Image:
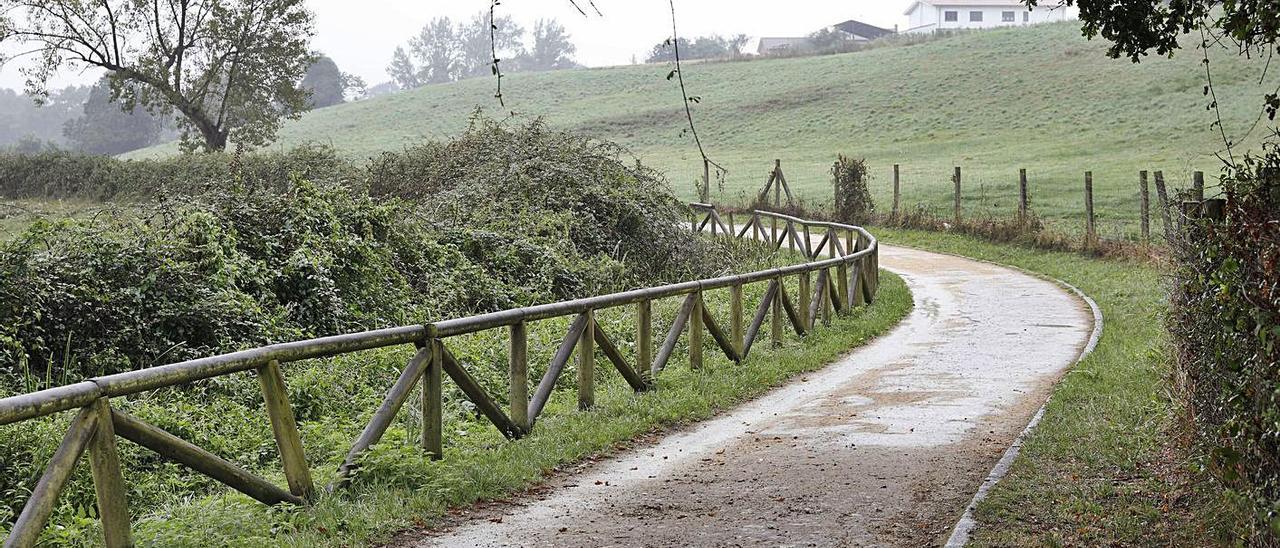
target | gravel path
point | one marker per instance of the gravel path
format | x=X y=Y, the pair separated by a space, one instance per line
x=883 y=447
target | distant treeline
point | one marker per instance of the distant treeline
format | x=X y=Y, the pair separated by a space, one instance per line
x=444 y=52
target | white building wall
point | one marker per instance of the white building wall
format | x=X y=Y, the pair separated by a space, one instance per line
x=929 y=18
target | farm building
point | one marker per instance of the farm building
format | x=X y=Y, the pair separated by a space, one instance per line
x=854 y=31
x=932 y=15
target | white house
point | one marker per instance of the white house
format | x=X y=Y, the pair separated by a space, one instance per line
x=933 y=15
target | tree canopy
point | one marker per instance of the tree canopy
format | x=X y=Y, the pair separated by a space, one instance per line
x=106 y=128
x=231 y=68
x=445 y=52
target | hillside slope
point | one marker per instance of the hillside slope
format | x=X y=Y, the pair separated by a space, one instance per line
x=1042 y=98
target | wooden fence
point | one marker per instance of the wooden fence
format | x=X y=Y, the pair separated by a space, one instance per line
x=846 y=278
x=1164 y=203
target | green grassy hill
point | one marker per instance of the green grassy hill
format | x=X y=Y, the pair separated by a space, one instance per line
x=1042 y=98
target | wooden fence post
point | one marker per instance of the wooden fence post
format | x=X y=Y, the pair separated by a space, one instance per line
x=897 y=191
x=804 y=300
x=706 y=181
x=108 y=483
x=518 y=359
x=1091 y=233
x=956 y=178
x=644 y=339
x=777 y=188
x=775 y=322
x=285 y=428
x=432 y=403
x=1197 y=186
x=695 y=332
x=1162 y=201
x=1023 y=200
x=824 y=295
x=735 y=316
x=587 y=363
x=1144 y=195
x=733 y=231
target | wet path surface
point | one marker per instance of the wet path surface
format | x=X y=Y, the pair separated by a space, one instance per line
x=883 y=447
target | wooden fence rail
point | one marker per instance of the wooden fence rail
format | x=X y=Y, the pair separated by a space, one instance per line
x=847 y=278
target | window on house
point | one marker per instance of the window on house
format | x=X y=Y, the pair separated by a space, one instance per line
x=1026 y=16
x=975 y=17
x=1006 y=16
x=951 y=16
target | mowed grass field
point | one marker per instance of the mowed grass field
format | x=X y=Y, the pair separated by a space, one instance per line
x=1041 y=98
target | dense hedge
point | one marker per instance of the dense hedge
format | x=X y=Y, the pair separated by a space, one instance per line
x=1226 y=322
x=63 y=174
x=237 y=251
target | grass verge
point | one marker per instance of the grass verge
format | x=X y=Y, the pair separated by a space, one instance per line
x=1101 y=468
x=398 y=489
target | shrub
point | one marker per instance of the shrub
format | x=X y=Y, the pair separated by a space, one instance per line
x=259 y=253
x=1226 y=323
x=853 y=197
x=63 y=174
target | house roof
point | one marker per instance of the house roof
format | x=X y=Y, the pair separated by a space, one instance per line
x=858 y=28
x=974 y=3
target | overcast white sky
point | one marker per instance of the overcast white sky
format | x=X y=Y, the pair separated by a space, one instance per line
x=360 y=35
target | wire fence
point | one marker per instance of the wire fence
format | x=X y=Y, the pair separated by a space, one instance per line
x=1105 y=204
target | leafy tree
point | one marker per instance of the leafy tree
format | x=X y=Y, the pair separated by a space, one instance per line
x=402 y=71
x=106 y=128
x=702 y=47
x=551 y=48
x=324 y=82
x=37 y=117
x=477 y=47
x=230 y=67
x=830 y=40
x=436 y=52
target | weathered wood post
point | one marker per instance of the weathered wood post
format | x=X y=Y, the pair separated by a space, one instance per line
x=1091 y=231
x=842 y=272
x=777 y=188
x=775 y=322
x=824 y=293
x=587 y=363
x=1162 y=200
x=1023 y=202
x=808 y=243
x=285 y=428
x=735 y=316
x=695 y=332
x=518 y=360
x=433 y=402
x=956 y=179
x=1144 y=196
x=1197 y=186
x=733 y=230
x=644 y=339
x=804 y=291
x=108 y=483
x=773 y=230
x=897 y=191
x=706 y=181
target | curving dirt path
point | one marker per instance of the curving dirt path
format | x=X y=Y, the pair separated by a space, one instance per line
x=884 y=447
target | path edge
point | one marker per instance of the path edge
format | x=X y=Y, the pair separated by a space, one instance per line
x=966 y=524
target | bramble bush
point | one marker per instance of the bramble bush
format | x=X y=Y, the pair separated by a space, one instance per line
x=853 y=197
x=1226 y=324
